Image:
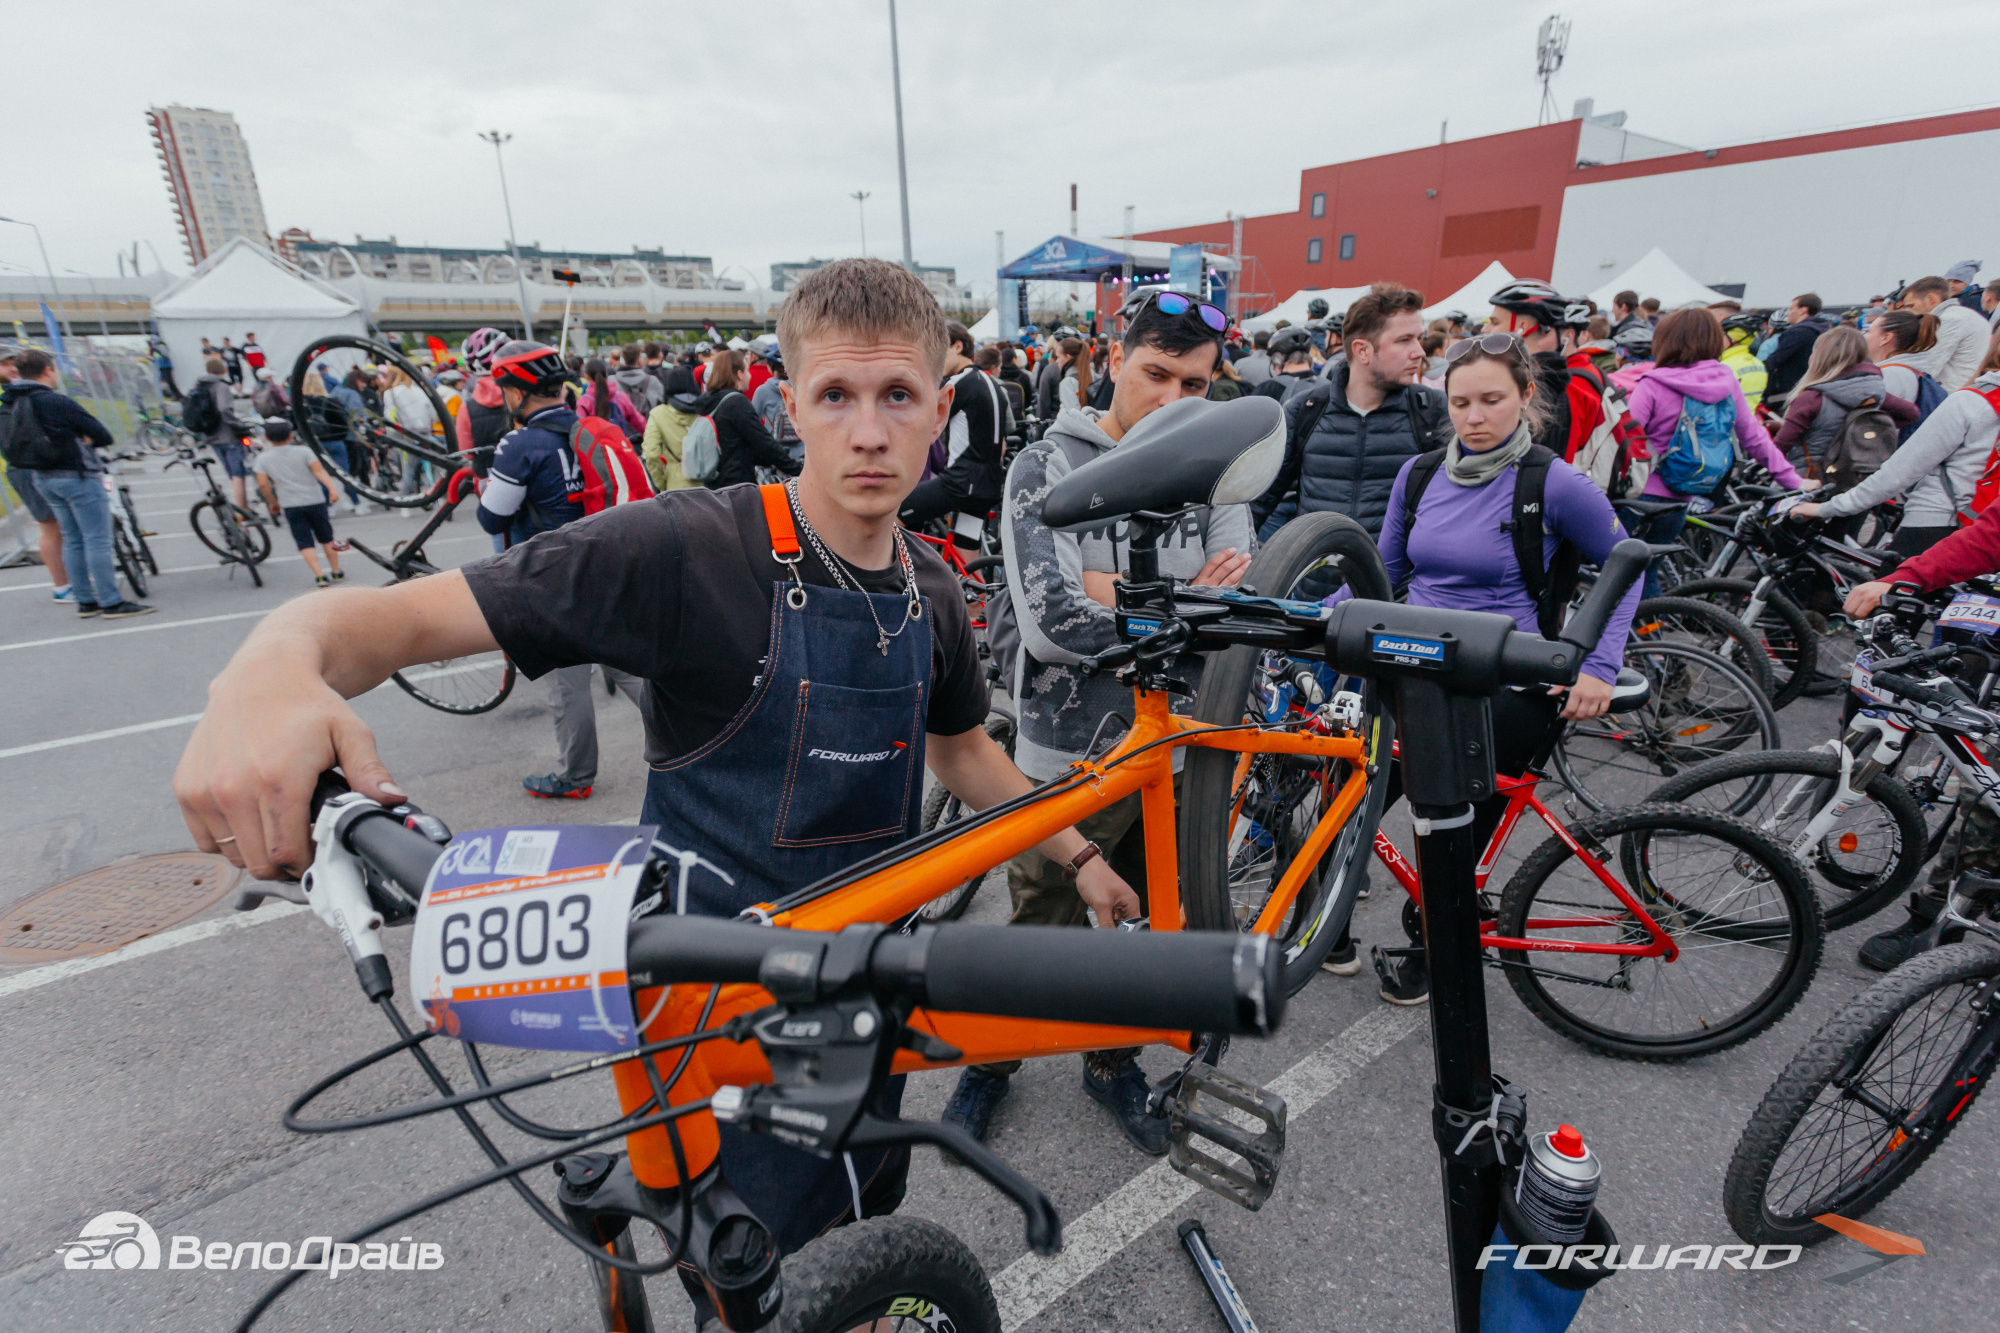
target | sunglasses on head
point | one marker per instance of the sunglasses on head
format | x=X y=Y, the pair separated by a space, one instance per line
x=1178 y=303
x=1493 y=344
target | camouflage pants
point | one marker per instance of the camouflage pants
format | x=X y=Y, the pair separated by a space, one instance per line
x=1043 y=896
x=1979 y=849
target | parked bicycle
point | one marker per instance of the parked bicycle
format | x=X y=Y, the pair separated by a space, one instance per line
x=235 y=534
x=129 y=547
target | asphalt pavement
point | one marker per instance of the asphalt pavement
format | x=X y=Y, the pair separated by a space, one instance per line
x=155 y=1084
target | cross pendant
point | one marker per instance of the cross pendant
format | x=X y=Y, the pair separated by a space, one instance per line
x=881 y=643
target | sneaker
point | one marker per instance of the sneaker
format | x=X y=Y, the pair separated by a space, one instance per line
x=974 y=1100
x=1892 y=948
x=86 y=610
x=1344 y=961
x=1125 y=1092
x=1405 y=974
x=336 y=576
x=124 y=610
x=321 y=581
x=553 y=786
x=63 y=594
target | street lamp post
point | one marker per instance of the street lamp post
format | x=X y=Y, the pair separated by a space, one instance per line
x=902 y=170
x=55 y=288
x=860 y=197
x=496 y=138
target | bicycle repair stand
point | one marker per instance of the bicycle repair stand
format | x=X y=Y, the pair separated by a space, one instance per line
x=1443 y=667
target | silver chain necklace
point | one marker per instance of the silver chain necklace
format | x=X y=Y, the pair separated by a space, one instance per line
x=840 y=570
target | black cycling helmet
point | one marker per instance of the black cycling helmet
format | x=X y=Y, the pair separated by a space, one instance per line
x=1289 y=344
x=536 y=369
x=1534 y=299
x=1636 y=342
x=1336 y=322
x=1749 y=321
x=1317 y=308
x=1577 y=315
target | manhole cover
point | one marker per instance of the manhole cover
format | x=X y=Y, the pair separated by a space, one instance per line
x=112 y=906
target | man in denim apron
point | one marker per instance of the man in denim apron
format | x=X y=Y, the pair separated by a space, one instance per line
x=805 y=665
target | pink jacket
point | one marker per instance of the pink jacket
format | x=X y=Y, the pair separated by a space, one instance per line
x=630 y=418
x=1655 y=403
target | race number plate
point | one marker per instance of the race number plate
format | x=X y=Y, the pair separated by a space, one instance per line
x=1970 y=611
x=1861 y=680
x=520 y=939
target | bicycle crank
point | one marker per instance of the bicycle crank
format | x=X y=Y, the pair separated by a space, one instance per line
x=1259 y=1148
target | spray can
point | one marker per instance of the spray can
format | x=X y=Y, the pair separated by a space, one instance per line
x=1558 y=1185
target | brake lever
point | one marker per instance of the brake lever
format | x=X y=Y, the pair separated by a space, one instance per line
x=1108 y=660
x=1044 y=1223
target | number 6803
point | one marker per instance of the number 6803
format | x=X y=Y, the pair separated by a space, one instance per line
x=520 y=934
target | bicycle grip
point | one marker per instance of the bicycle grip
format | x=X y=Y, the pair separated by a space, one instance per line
x=1938 y=693
x=401 y=855
x=1621 y=569
x=678 y=950
x=1197 y=980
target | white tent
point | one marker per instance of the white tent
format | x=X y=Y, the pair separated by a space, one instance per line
x=1293 y=307
x=242 y=289
x=987 y=330
x=1471 y=299
x=1658 y=276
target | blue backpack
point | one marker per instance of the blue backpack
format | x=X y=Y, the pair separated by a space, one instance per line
x=1703 y=448
x=1929 y=395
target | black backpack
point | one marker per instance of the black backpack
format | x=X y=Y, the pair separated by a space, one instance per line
x=1552 y=585
x=25 y=442
x=1865 y=440
x=199 y=414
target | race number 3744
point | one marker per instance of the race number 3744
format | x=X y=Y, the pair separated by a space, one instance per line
x=520 y=940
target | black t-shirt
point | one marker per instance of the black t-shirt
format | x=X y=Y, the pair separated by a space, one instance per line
x=677 y=589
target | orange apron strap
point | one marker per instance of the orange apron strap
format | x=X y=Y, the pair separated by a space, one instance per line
x=778 y=517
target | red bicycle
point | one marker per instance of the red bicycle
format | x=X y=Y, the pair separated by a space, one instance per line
x=1705 y=933
x=979 y=576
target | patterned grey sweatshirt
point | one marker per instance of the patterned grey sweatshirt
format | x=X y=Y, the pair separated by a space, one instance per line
x=1058 y=709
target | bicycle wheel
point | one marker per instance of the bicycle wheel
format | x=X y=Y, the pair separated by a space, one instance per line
x=893 y=1274
x=941 y=807
x=1867 y=1099
x=1241 y=830
x=464 y=686
x=1709 y=628
x=127 y=556
x=1700 y=707
x=379 y=452
x=1789 y=636
x=1860 y=865
x=1736 y=905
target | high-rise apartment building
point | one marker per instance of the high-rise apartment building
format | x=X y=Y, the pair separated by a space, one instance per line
x=207 y=166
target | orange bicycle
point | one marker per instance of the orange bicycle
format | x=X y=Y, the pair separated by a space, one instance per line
x=795 y=1032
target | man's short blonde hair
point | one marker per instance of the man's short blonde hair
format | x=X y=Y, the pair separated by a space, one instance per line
x=871 y=299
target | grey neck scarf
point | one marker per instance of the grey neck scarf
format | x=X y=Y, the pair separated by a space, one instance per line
x=1470 y=469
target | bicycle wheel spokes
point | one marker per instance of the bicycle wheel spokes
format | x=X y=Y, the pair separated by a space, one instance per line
x=467 y=685
x=351 y=430
x=1862 y=1122
x=1744 y=930
x=1700 y=707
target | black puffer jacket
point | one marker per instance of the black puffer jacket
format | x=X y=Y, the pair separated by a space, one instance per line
x=740 y=439
x=1350 y=463
x=1552 y=389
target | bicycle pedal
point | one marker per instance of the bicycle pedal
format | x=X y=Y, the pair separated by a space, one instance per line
x=1260 y=1150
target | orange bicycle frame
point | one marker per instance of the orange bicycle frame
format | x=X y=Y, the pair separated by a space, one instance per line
x=1141 y=762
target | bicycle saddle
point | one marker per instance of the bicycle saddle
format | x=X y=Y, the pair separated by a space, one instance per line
x=1651 y=507
x=1190 y=452
x=1630 y=691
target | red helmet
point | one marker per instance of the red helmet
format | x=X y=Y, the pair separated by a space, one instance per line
x=536 y=369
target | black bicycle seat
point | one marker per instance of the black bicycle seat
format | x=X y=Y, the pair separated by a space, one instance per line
x=1190 y=452
x=1651 y=507
x=1630 y=691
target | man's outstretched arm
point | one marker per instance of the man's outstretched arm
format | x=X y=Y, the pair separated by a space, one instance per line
x=278 y=715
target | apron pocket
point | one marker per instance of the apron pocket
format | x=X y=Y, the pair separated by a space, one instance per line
x=854 y=759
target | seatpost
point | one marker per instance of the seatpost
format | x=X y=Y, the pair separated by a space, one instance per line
x=1447 y=764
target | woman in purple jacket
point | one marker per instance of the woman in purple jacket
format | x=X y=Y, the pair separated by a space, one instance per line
x=1686 y=348
x=1459 y=553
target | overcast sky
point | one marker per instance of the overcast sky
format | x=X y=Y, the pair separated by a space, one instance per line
x=739 y=130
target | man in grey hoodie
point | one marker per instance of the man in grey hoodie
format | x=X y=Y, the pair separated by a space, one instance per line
x=639 y=384
x=1061 y=586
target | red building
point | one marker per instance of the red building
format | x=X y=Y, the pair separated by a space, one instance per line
x=1579 y=200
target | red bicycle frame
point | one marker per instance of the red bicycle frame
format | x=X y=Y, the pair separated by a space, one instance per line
x=1521 y=798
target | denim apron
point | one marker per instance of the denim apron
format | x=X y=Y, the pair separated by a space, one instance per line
x=821 y=767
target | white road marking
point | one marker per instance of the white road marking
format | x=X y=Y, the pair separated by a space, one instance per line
x=170 y=569
x=1031 y=1283
x=135 y=629
x=132 y=730
x=171 y=939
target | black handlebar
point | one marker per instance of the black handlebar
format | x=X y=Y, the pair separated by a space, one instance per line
x=1200 y=981
x=1621 y=569
x=1937 y=693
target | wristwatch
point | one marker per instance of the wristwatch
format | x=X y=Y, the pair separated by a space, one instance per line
x=1083 y=858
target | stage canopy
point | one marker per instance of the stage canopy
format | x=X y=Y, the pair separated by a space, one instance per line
x=1293 y=307
x=1088 y=258
x=243 y=289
